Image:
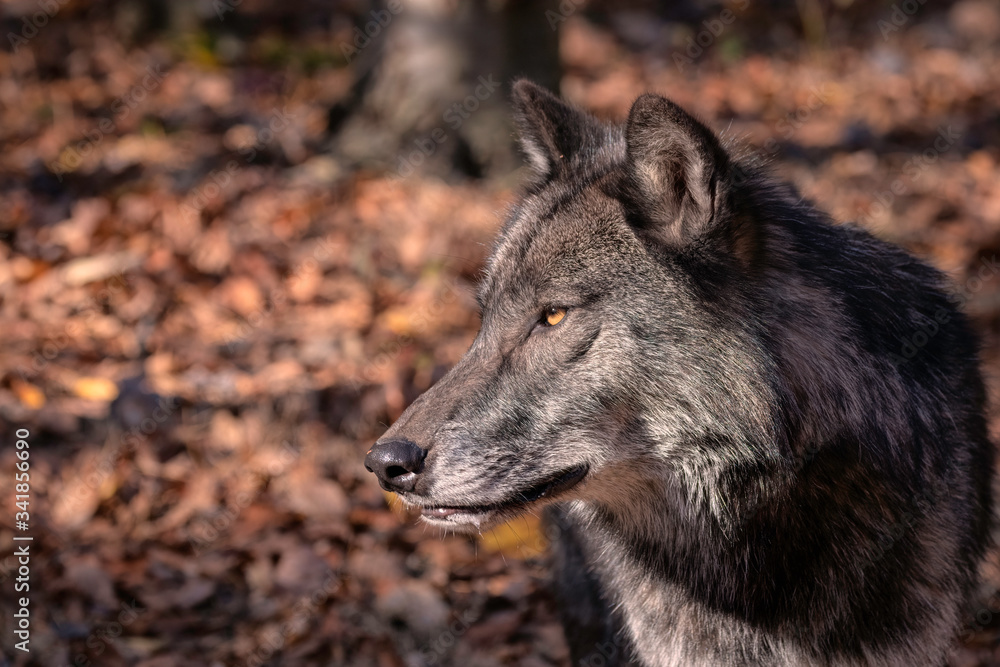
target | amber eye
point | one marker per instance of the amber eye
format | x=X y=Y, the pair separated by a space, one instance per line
x=554 y=316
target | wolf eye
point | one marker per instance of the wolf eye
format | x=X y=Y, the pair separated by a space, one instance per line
x=554 y=316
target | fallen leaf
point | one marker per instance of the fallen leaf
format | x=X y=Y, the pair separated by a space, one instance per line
x=86 y=575
x=96 y=389
x=30 y=395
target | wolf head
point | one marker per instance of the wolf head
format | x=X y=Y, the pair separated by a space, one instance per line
x=617 y=335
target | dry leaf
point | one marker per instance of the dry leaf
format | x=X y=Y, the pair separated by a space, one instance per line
x=30 y=395
x=96 y=389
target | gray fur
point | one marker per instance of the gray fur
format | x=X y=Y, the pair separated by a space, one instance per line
x=749 y=472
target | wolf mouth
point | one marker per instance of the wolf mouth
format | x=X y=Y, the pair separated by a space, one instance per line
x=477 y=513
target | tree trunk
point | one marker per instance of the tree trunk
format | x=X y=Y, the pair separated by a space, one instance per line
x=435 y=83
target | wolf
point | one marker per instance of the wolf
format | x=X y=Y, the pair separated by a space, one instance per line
x=703 y=380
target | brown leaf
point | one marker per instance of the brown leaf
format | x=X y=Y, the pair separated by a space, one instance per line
x=30 y=395
x=299 y=569
x=96 y=389
x=304 y=492
x=87 y=576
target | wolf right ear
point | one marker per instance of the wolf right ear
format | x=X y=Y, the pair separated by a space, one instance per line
x=552 y=132
x=676 y=170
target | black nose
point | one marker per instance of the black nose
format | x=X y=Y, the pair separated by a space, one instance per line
x=396 y=463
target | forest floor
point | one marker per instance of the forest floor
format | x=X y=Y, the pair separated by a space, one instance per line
x=206 y=320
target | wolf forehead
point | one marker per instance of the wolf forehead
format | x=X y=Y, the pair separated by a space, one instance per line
x=570 y=231
x=553 y=247
x=605 y=198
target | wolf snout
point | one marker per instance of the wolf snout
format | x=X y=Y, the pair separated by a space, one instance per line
x=396 y=463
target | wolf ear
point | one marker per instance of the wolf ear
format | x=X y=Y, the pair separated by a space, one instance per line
x=675 y=170
x=552 y=132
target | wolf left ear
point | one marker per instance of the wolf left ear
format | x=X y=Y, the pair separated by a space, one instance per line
x=675 y=170
x=552 y=132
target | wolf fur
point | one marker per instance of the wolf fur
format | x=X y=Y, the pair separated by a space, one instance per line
x=742 y=461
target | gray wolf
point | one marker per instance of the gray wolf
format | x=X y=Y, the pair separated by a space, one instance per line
x=701 y=377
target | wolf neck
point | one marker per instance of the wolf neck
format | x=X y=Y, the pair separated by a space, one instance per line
x=661 y=523
x=657 y=616
x=669 y=565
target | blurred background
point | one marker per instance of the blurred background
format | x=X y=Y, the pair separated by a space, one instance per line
x=238 y=237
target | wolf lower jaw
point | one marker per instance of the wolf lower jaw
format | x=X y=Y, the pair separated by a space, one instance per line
x=472 y=518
